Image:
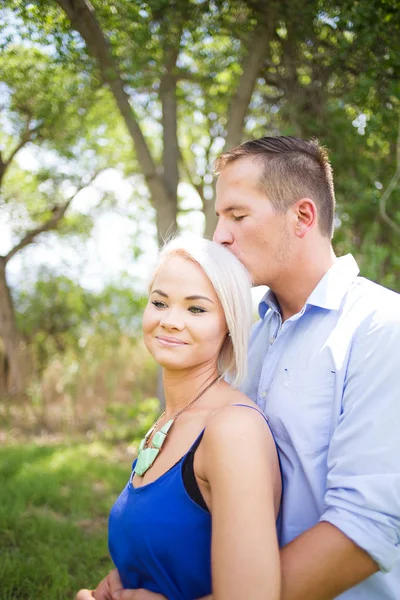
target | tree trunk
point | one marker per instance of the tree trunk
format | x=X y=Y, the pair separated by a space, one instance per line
x=256 y=54
x=211 y=217
x=252 y=63
x=170 y=144
x=83 y=20
x=17 y=364
x=3 y=370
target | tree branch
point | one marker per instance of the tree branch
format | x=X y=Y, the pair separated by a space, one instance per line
x=83 y=19
x=58 y=213
x=251 y=65
x=187 y=211
x=25 y=138
x=197 y=186
x=169 y=121
x=391 y=186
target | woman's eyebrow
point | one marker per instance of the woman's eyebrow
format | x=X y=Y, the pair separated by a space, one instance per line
x=196 y=297
x=193 y=297
x=159 y=292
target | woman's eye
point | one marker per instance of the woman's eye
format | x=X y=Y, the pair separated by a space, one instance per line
x=158 y=304
x=196 y=310
x=238 y=218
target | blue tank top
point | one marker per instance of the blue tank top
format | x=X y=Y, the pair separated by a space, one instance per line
x=160 y=539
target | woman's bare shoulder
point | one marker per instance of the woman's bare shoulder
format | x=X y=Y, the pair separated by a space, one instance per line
x=235 y=439
x=231 y=396
x=238 y=417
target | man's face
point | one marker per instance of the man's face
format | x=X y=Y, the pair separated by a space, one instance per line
x=248 y=224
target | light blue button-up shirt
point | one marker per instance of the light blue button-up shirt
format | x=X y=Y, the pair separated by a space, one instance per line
x=328 y=380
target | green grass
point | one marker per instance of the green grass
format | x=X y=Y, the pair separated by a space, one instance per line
x=54 y=504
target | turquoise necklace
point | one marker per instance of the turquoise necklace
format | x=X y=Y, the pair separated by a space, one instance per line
x=147 y=456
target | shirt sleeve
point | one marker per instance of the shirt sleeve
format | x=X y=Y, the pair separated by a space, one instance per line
x=363 y=482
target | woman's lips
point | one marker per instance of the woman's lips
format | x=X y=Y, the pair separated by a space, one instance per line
x=169 y=341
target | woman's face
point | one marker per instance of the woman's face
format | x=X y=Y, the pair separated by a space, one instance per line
x=184 y=325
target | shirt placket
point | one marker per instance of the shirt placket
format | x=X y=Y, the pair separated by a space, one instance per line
x=277 y=331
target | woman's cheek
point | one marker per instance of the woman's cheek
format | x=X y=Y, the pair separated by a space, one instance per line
x=147 y=342
x=147 y=329
x=147 y=321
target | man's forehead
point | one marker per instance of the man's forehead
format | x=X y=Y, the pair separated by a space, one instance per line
x=243 y=169
x=239 y=177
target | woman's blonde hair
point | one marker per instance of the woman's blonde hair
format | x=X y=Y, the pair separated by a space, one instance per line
x=232 y=284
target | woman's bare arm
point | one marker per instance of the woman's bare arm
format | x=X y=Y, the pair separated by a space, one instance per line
x=240 y=463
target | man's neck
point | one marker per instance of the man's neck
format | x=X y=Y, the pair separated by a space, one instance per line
x=294 y=289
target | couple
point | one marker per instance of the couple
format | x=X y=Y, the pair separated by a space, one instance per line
x=202 y=513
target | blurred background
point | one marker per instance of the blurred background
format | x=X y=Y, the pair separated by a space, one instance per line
x=111 y=115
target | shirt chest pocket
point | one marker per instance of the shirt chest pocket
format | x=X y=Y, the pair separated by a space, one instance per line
x=299 y=407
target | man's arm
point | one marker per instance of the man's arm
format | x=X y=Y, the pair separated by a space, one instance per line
x=359 y=529
x=322 y=563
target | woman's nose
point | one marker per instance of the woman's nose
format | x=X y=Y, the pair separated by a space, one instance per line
x=172 y=319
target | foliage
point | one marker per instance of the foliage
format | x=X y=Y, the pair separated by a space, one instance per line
x=120 y=416
x=98 y=386
x=57 y=315
x=63 y=118
x=333 y=74
x=190 y=82
x=54 y=502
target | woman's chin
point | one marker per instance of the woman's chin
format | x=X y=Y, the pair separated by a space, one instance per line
x=167 y=362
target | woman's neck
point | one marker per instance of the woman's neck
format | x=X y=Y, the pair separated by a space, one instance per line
x=180 y=388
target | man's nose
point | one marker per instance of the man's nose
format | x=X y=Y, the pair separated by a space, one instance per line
x=222 y=235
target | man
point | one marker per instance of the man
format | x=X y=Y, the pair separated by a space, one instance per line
x=323 y=365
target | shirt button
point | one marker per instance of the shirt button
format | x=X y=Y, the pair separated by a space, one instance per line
x=271 y=340
x=263 y=394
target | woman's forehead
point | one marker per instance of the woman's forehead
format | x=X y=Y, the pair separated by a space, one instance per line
x=177 y=268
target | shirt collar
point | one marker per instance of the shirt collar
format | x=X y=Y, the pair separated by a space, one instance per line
x=329 y=292
x=268 y=301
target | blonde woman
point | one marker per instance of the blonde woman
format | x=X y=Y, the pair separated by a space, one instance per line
x=198 y=513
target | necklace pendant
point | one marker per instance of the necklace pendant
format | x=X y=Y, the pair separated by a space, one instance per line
x=147 y=456
x=144 y=441
x=145 y=459
x=160 y=437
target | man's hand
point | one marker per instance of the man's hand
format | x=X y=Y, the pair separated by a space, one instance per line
x=84 y=595
x=108 y=589
x=138 y=594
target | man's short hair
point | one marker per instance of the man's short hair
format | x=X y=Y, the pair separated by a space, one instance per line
x=292 y=169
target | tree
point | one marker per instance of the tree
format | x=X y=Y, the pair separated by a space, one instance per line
x=189 y=78
x=51 y=107
x=148 y=68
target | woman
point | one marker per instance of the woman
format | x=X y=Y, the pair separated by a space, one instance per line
x=198 y=513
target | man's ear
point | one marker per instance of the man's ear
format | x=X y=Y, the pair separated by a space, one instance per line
x=305 y=215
